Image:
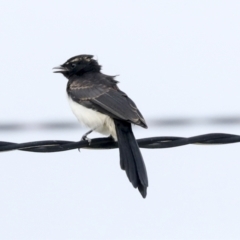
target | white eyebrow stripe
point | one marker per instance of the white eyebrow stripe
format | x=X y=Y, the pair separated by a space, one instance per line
x=75 y=60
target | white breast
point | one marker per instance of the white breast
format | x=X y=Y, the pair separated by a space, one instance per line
x=94 y=120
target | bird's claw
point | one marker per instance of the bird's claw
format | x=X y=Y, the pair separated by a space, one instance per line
x=85 y=138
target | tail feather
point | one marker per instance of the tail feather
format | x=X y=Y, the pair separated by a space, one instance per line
x=126 y=161
x=131 y=159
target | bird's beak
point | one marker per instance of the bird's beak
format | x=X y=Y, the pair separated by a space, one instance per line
x=60 y=69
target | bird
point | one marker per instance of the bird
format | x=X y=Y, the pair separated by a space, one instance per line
x=100 y=105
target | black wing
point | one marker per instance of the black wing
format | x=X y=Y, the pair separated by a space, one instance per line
x=103 y=95
x=118 y=105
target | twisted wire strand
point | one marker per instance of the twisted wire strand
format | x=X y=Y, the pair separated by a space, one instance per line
x=108 y=143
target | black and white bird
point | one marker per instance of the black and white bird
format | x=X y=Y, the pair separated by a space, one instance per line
x=99 y=104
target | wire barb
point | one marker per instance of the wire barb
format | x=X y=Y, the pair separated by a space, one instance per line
x=108 y=143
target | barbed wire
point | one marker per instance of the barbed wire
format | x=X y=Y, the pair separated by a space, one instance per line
x=109 y=143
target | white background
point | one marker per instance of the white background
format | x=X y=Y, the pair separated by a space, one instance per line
x=174 y=59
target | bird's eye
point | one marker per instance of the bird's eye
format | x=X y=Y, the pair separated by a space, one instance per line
x=73 y=65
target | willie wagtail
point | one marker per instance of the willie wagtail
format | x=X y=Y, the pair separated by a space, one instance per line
x=99 y=104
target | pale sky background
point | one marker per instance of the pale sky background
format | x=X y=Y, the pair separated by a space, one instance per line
x=174 y=59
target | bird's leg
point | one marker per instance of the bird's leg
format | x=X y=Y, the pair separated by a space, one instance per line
x=85 y=138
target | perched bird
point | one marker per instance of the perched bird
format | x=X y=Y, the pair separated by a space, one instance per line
x=99 y=104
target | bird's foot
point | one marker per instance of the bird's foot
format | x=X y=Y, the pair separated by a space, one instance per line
x=85 y=138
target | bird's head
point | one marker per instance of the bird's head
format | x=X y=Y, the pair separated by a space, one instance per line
x=78 y=65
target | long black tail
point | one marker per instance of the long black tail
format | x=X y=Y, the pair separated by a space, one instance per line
x=131 y=159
